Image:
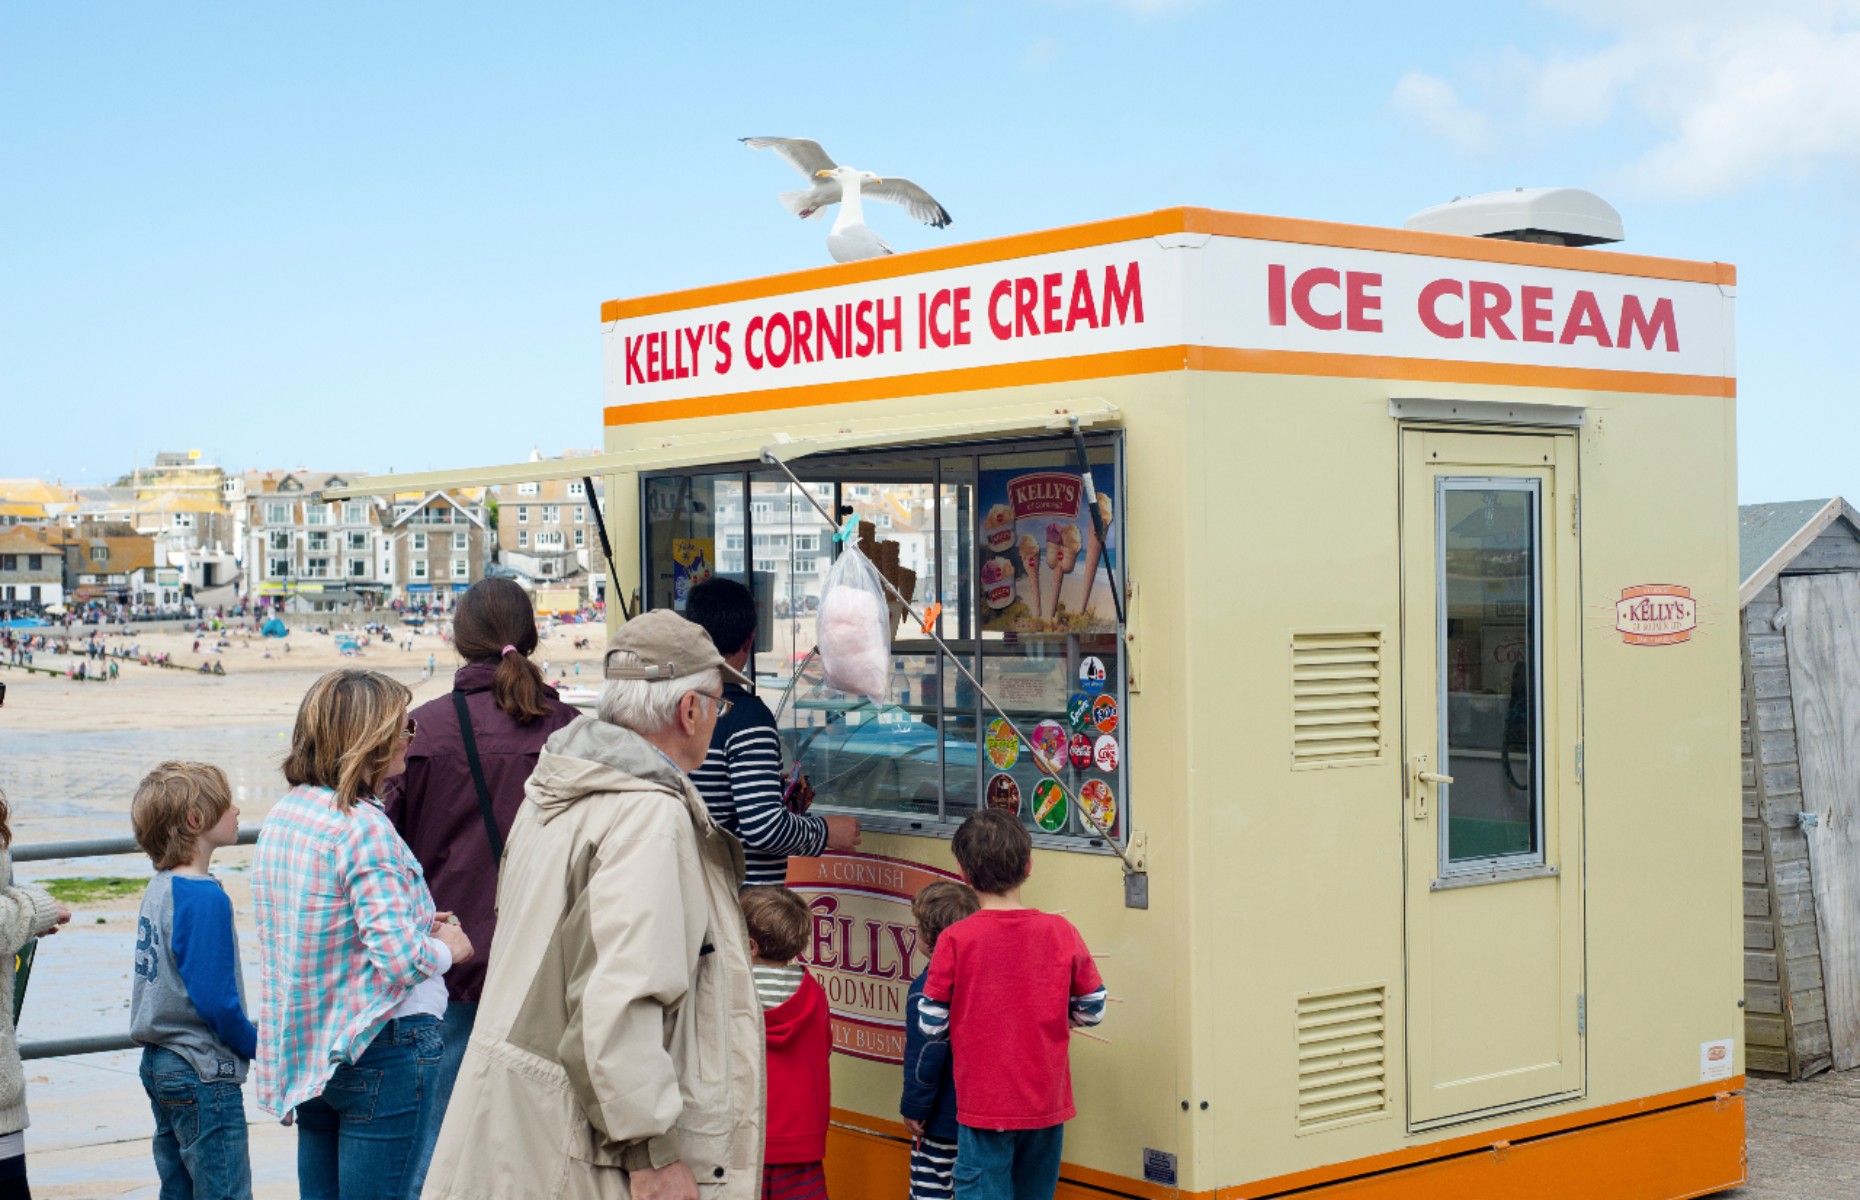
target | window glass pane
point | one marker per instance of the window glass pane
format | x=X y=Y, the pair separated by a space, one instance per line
x=918 y=757
x=688 y=519
x=1490 y=587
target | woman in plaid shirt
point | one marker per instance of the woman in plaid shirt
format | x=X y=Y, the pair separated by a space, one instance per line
x=352 y=954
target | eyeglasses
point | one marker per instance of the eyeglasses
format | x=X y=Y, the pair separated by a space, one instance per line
x=723 y=706
x=408 y=731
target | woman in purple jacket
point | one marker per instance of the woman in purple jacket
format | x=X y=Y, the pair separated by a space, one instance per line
x=466 y=768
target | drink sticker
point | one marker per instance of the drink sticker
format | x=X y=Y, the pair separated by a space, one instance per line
x=1104 y=714
x=1078 y=710
x=1049 y=743
x=1049 y=805
x=1104 y=753
x=1004 y=794
x=1081 y=751
x=1002 y=745
x=1097 y=798
x=1091 y=676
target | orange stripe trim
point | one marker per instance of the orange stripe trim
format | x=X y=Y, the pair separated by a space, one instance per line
x=1178 y=220
x=916 y=262
x=1476 y=1141
x=1370 y=366
x=1447 y=245
x=1170 y=358
x=1051 y=370
x=1318 y=1176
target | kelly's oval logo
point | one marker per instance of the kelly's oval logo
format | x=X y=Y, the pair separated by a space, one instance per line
x=1656 y=614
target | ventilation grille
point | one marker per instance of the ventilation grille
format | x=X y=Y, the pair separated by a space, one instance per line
x=1336 y=698
x=1342 y=1056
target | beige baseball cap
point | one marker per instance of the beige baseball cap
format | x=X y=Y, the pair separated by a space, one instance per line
x=668 y=647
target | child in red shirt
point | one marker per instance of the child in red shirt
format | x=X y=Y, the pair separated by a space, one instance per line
x=794 y=1014
x=1006 y=986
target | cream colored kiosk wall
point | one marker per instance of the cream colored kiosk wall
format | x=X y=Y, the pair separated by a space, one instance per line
x=1299 y=874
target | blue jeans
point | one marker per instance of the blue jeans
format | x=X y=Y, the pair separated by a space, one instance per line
x=1009 y=1164
x=357 y=1141
x=200 y=1138
x=456 y=1029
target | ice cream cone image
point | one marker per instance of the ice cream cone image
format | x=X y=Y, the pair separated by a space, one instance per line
x=1062 y=554
x=1030 y=560
x=1094 y=549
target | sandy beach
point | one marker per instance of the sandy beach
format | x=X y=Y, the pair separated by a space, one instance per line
x=70 y=756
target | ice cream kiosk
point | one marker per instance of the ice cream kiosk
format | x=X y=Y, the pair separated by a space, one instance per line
x=1350 y=614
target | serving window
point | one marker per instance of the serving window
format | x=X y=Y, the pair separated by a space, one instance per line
x=1001 y=536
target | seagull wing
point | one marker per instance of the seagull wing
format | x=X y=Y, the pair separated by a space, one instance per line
x=916 y=201
x=806 y=156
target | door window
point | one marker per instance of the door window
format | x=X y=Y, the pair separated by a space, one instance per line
x=1491 y=651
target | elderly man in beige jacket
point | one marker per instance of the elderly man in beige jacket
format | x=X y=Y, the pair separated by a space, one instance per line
x=618 y=1049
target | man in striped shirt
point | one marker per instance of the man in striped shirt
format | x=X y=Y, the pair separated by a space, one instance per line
x=741 y=777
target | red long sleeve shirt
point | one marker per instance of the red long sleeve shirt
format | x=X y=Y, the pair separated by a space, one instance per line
x=1010 y=979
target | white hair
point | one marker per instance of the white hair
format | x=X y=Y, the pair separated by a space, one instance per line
x=651 y=705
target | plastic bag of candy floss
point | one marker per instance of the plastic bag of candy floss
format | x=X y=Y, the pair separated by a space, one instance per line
x=853 y=628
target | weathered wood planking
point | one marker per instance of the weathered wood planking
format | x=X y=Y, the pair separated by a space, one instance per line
x=1835 y=550
x=1824 y=681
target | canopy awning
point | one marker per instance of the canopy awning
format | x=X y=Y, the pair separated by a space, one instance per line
x=812 y=435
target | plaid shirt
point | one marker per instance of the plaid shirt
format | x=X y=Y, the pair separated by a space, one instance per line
x=343 y=915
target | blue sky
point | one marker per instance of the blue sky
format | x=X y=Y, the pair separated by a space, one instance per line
x=377 y=236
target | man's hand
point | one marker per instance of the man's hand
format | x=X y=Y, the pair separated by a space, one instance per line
x=915 y=1126
x=842 y=833
x=666 y=1183
x=455 y=940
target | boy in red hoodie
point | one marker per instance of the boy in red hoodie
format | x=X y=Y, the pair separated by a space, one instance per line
x=1006 y=987
x=794 y=1014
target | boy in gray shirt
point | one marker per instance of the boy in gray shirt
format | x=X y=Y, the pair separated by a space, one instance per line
x=188 y=1006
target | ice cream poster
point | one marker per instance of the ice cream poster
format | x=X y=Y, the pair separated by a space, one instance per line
x=693 y=561
x=1043 y=568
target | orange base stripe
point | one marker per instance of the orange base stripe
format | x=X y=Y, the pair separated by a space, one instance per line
x=1668 y=1147
x=1171 y=358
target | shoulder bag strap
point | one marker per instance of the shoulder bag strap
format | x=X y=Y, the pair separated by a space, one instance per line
x=477 y=779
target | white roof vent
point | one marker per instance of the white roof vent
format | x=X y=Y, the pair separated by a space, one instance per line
x=1553 y=216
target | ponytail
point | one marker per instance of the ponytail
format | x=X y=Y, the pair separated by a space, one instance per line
x=494 y=623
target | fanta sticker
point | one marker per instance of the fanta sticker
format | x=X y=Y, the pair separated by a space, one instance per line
x=1049 y=805
x=1104 y=714
x=1004 y=794
x=1091 y=676
x=1049 y=744
x=1078 y=710
x=1081 y=751
x=1104 y=753
x=1098 y=800
x=1003 y=744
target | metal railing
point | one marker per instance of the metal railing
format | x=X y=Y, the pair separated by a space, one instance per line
x=98 y=1043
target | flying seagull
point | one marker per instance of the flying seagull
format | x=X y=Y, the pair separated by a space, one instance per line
x=829 y=183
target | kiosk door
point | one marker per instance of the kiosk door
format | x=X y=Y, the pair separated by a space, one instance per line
x=1491 y=726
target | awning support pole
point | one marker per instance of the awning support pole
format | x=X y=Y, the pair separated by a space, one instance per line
x=1130 y=868
x=607 y=549
x=1097 y=518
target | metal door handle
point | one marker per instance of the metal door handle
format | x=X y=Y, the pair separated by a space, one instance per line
x=1431 y=777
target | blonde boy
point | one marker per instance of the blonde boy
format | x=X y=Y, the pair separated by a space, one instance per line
x=188 y=1006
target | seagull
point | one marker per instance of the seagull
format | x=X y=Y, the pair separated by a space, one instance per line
x=850 y=239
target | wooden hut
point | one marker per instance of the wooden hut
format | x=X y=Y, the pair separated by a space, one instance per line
x=1800 y=565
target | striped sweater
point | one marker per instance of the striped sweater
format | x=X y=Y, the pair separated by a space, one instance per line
x=741 y=785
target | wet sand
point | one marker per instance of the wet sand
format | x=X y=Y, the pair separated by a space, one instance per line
x=70 y=757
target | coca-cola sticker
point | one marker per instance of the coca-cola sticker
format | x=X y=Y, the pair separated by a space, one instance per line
x=1656 y=614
